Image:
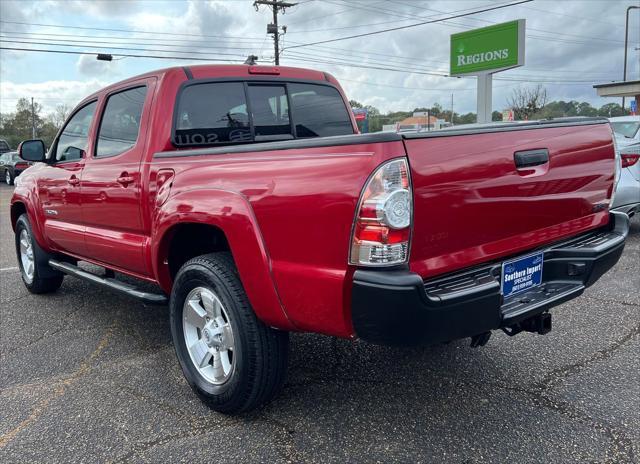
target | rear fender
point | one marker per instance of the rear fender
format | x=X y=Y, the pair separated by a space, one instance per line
x=231 y=213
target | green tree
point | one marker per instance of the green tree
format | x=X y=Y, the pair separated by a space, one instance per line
x=611 y=110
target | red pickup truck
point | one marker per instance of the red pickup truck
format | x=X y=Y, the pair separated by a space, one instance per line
x=246 y=194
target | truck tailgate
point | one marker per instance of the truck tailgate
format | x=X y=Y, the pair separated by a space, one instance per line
x=473 y=205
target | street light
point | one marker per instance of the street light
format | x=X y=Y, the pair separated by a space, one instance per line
x=626 y=41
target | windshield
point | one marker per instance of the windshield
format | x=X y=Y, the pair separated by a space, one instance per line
x=626 y=128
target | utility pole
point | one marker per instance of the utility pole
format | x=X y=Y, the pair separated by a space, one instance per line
x=33 y=120
x=273 y=28
x=626 y=45
x=452 y=109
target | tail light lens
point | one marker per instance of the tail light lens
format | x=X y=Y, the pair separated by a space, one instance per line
x=617 y=169
x=21 y=166
x=382 y=226
x=629 y=160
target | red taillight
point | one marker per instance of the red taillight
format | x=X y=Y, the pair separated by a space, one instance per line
x=21 y=166
x=629 y=160
x=382 y=226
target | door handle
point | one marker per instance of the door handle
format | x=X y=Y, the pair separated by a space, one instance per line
x=530 y=158
x=73 y=180
x=125 y=179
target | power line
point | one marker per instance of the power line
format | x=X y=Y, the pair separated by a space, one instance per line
x=409 y=25
x=92 y=45
x=541 y=79
x=402 y=87
x=125 y=55
x=191 y=43
x=413 y=16
x=130 y=31
x=573 y=16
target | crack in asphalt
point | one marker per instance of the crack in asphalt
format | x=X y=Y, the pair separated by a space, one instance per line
x=285 y=442
x=604 y=300
x=197 y=427
x=59 y=378
x=621 y=449
x=65 y=325
x=84 y=368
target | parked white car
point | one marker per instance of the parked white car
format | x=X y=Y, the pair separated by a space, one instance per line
x=627 y=131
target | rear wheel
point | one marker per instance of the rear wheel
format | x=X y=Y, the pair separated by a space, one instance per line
x=231 y=359
x=8 y=178
x=33 y=261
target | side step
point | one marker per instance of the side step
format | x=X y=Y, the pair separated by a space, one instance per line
x=109 y=283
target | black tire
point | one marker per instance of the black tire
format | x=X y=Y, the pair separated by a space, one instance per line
x=45 y=279
x=261 y=353
x=8 y=177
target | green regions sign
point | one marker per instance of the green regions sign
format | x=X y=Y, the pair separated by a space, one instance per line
x=489 y=49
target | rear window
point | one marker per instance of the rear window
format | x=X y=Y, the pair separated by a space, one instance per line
x=626 y=128
x=234 y=112
x=4 y=146
x=319 y=111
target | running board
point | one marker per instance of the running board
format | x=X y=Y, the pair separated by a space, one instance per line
x=111 y=284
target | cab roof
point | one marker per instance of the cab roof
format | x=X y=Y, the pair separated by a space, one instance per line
x=210 y=71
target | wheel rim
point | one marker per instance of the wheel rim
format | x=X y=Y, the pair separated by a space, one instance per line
x=7 y=177
x=26 y=255
x=208 y=335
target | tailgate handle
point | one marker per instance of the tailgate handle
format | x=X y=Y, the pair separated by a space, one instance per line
x=529 y=158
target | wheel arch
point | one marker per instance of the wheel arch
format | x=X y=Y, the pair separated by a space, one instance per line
x=18 y=208
x=207 y=220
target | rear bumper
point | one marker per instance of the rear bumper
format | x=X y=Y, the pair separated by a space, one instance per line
x=399 y=308
x=630 y=209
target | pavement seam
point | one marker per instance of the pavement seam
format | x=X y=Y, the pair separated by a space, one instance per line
x=621 y=449
x=64 y=326
x=197 y=427
x=55 y=379
x=60 y=389
x=604 y=300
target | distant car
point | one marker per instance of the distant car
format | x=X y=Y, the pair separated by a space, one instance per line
x=4 y=146
x=11 y=166
x=627 y=131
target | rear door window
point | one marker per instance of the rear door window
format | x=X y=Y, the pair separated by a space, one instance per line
x=212 y=113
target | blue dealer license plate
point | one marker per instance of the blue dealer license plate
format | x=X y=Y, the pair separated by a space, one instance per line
x=521 y=274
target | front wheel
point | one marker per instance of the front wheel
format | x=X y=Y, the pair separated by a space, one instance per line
x=33 y=261
x=231 y=359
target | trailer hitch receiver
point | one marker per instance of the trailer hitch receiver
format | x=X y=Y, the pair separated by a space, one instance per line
x=540 y=324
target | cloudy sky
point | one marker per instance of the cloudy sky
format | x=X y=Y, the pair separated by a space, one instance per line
x=570 y=45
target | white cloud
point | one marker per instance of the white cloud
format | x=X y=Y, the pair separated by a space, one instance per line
x=48 y=94
x=88 y=65
x=556 y=45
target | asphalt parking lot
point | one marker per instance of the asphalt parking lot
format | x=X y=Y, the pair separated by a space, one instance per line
x=88 y=376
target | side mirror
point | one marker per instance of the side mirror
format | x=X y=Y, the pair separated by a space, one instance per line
x=32 y=150
x=73 y=153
